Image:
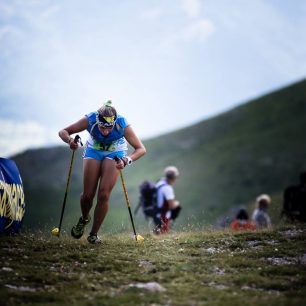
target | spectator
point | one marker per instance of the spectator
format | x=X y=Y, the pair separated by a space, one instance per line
x=294 y=206
x=242 y=221
x=260 y=215
x=168 y=208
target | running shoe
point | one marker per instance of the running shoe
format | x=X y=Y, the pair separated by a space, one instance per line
x=77 y=231
x=94 y=239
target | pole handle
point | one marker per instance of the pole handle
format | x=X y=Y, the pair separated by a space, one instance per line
x=77 y=139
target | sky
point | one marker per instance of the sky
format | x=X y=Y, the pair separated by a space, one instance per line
x=165 y=64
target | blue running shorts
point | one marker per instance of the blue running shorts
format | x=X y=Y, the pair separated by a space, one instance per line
x=100 y=155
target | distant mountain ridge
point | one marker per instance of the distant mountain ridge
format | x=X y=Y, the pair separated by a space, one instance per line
x=257 y=147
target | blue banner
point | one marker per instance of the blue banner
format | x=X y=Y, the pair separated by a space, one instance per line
x=12 y=205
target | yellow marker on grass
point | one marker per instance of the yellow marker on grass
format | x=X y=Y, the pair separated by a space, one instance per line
x=55 y=231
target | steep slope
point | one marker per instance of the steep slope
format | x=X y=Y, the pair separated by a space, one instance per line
x=258 y=147
x=228 y=160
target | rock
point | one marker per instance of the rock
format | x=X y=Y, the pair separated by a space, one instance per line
x=21 y=288
x=7 y=269
x=151 y=286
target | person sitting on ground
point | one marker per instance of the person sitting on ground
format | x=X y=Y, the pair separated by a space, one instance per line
x=109 y=134
x=294 y=206
x=242 y=221
x=168 y=208
x=260 y=215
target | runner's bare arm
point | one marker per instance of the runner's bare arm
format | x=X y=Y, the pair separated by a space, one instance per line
x=135 y=142
x=76 y=127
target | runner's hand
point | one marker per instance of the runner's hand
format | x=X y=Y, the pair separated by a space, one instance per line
x=120 y=164
x=72 y=144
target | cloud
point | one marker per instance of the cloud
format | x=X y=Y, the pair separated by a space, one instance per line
x=263 y=27
x=18 y=136
x=21 y=23
x=50 y=11
x=51 y=62
x=179 y=29
x=191 y=7
x=195 y=32
x=28 y=13
x=199 y=30
x=6 y=11
x=9 y=34
x=7 y=30
x=152 y=13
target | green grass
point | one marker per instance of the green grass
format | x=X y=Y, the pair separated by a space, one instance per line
x=194 y=268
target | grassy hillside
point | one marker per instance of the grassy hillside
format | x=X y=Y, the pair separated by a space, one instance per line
x=230 y=159
x=225 y=161
x=190 y=268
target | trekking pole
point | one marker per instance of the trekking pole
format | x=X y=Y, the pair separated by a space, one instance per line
x=137 y=237
x=57 y=231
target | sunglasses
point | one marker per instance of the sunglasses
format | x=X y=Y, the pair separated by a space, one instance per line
x=105 y=126
x=106 y=122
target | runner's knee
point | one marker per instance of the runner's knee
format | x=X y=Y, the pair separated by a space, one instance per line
x=103 y=196
x=87 y=197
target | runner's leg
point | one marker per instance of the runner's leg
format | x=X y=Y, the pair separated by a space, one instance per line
x=109 y=174
x=91 y=174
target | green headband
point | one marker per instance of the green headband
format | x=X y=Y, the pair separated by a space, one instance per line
x=108 y=103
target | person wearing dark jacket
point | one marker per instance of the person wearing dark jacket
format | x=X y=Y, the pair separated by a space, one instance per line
x=294 y=201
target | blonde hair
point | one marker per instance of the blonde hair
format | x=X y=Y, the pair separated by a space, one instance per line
x=263 y=201
x=171 y=172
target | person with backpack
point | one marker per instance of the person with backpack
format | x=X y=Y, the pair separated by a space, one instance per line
x=294 y=203
x=109 y=134
x=167 y=207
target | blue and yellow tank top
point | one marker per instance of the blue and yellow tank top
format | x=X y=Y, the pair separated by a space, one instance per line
x=113 y=142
